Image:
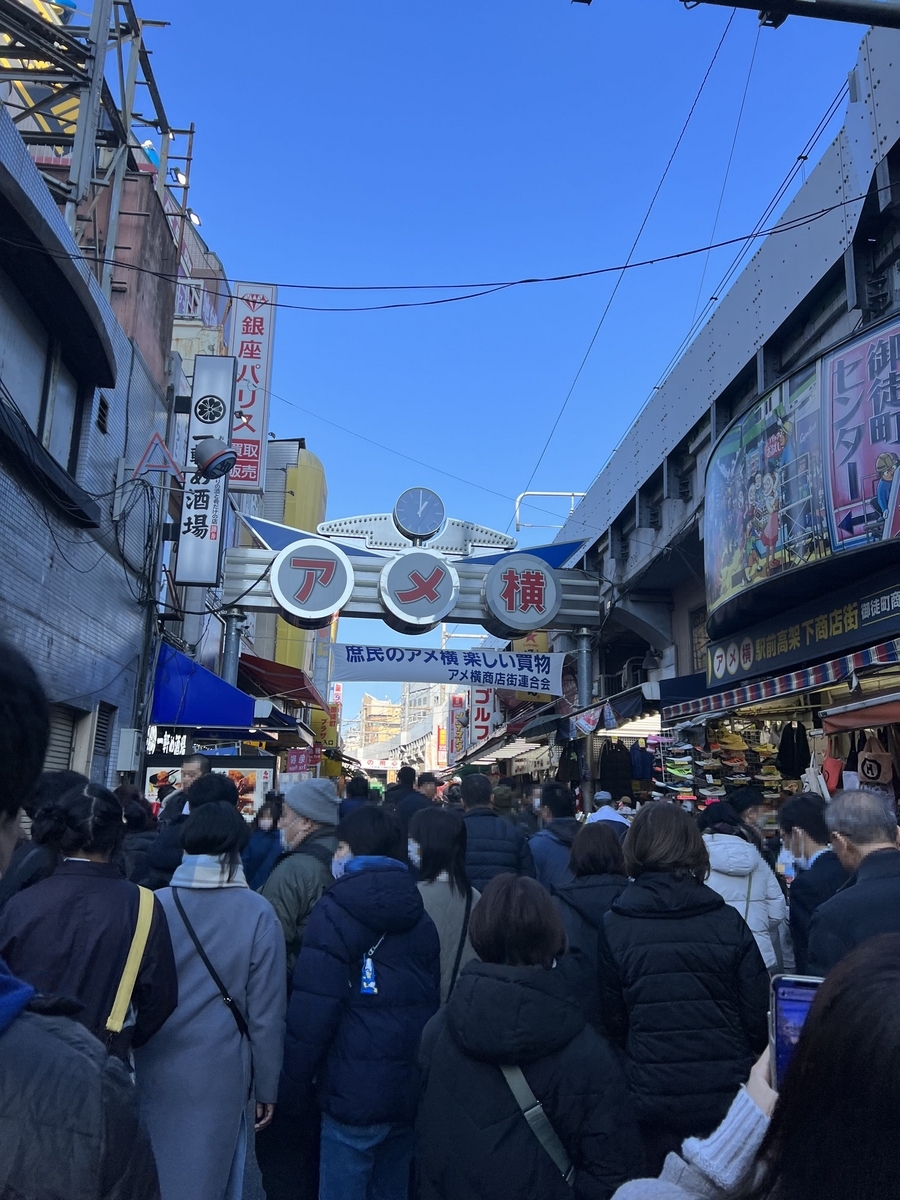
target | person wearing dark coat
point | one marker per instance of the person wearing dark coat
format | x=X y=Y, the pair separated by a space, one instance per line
x=598 y=867
x=165 y=855
x=138 y=839
x=404 y=787
x=684 y=989
x=820 y=873
x=415 y=800
x=367 y=981
x=357 y=796
x=71 y=934
x=30 y=862
x=515 y=1008
x=493 y=844
x=265 y=845
x=68 y=1111
x=552 y=847
x=864 y=835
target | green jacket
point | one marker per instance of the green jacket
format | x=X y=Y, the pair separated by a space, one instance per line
x=297 y=881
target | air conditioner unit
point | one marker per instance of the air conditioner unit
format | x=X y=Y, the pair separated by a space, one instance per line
x=129 y=756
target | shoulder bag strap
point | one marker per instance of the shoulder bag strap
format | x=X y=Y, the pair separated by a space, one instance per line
x=239 y=1019
x=749 y=890
x=462 y=942
x=116 y=1019
x=533 y=1112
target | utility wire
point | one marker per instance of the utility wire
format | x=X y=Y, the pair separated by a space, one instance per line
x=634 y=245
x=737 y=129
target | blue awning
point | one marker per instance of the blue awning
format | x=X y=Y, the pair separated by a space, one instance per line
x=185 y=693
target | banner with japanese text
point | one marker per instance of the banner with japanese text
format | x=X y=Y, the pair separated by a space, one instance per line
x=541 y=673
x=251 y=342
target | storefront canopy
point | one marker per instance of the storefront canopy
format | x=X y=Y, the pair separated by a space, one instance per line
x=863 y=714
x=277 y=679
x=833 y=671
x=185 y=693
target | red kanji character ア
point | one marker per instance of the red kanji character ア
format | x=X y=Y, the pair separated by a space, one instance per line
x=252 y=326
x=250 y=350
x=510 y=592
x=531 y=594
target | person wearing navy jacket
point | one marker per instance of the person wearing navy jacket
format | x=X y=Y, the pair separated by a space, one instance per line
x=366 y=983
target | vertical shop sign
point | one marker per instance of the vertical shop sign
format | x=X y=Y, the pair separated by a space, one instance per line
x=203 y=515
x=483 y=711
x=457 y=726
x=862 y=395
x=252 y=340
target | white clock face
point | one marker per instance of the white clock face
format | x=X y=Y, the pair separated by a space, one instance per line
x=419 y=513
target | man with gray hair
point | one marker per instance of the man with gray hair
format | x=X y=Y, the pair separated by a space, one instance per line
x=864 y=836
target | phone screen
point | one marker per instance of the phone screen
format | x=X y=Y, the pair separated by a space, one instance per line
x=792 y=997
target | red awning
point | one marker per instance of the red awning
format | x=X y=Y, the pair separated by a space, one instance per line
x=863 y=714
x=277 y=679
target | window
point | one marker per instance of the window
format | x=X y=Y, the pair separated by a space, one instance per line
x=699 y=638
x=32 y=371
x=102 y=421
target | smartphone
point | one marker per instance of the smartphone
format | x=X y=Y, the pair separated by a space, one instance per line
x=791 y=1000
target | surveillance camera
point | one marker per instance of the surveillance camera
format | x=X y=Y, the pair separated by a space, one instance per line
x=213 y=458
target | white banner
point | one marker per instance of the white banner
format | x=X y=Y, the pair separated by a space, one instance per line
x=494 y=668
x=251 y=339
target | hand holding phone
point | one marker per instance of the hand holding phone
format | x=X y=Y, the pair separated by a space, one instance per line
x=759 y=1085
x=791 y=999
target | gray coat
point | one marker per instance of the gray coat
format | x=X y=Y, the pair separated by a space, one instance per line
x=447 y=908
x=193 y=1076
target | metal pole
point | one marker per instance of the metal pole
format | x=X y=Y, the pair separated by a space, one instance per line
x=857 y=12
x=585 y=667
x=231 y=650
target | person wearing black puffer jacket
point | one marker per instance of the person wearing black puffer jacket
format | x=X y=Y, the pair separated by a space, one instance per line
x=493 y=844
x=367 y=980
x=598 y=867
x=684 y=990
x=515 y=1009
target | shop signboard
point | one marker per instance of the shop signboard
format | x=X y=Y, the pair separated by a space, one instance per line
x=251 y=341
x=853 y=617
x=311 y=581
x=442 y=745
x=418 y=588
x=484 y=714
x=457 y=727
x=324 y=724
x=298 y=760
x=381 y=764
x=523 y=593
x=540 y=673
x=810 y=471
x=251 y=779
x=203 y=514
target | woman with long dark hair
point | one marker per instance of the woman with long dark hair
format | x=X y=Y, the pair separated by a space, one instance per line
x=195 y=1076
x=831 y=1132
x=73 y=932
x=684 y=989
x=437 y=849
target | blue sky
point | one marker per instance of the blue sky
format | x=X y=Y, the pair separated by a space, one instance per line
x=399 y=142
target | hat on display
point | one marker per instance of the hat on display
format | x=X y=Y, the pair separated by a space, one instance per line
x=314 y=799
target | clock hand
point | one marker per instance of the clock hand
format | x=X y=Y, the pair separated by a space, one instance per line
x=421 y=501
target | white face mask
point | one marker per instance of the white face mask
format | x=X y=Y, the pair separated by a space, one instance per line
x=265 y=824
x=339 y=864
x=414 y=853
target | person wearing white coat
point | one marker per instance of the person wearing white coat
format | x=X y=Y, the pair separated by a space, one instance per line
x=743 y=878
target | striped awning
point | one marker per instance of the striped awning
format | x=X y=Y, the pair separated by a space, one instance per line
x=824 y=673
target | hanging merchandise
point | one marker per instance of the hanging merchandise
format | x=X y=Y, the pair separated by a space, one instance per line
x=641 y=762
x=793 y=752
x=615 y=770
x=832 y=768
x=568 y=770
x=874 y=764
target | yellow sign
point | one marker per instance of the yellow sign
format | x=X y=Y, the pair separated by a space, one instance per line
x=325 y=725
x=537 y=642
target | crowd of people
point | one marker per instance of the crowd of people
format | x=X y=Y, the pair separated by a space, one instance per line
x=427 y=997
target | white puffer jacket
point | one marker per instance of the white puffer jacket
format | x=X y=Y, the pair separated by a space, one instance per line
x=739 y=873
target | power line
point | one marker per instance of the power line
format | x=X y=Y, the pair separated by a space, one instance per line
x=634 y=244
